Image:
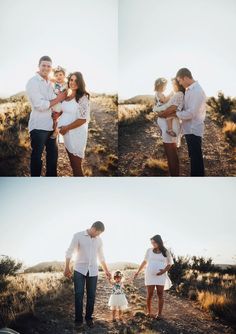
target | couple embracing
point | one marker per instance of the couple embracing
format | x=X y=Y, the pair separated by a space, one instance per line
x=181 y=113
x=88 y=247
x=59 y=105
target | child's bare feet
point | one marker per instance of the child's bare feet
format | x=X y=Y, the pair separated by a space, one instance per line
x=171 y=133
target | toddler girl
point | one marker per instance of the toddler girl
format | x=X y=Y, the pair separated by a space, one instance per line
x=117 y=301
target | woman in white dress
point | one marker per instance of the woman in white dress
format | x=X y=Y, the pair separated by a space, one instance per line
x=73 y=122
x=171 y=142
x=158 y=261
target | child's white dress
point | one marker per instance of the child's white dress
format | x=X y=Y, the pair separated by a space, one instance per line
x=176 y=100
x=155 y=263
x=75 y=140
x=117 y=300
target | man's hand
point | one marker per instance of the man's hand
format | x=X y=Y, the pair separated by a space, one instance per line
x=108 y=275
x=62 y=96
x=63 y=130
x=136 y=275
x=67 y=273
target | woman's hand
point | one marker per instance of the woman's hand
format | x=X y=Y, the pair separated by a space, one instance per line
x=63 y=130
x=161 y=272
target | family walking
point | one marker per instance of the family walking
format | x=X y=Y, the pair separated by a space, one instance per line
x=181 y=113
x=88 y=247
x=59 y=106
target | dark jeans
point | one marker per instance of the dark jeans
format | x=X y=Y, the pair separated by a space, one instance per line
x=39 y=140
x=91 y=284
x=195 y=154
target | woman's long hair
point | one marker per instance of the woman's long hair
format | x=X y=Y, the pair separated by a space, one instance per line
x=157 y=238
x=81 y=91
x=180 y=87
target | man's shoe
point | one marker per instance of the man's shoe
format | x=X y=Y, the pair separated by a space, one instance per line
x=78 y=324
x=90 y=323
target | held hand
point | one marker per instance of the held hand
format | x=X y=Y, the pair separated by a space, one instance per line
x=63 y=130
x=136 y=275
x=108 y=275
x=67 y=273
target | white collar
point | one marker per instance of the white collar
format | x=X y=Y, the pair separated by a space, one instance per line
x=192 y=85
x=40 y=78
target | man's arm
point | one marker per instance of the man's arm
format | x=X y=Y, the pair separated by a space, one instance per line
x=38 y=101
x=196 y=101
x=102 y=261
x=69 y=253
x=170 y=111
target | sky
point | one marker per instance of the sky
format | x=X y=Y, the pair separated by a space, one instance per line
x=40 y=216
x=158 y=37
x=80 y=35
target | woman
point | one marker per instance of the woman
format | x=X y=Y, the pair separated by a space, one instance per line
x=73 y=122
x=171 y=142
x=158 y=260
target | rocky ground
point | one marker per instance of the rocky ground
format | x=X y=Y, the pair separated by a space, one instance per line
x=180 y=316
x=141 y=151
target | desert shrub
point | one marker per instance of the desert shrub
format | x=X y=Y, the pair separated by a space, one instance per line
x=179 y=269
x=201 y=264
x=9 y=266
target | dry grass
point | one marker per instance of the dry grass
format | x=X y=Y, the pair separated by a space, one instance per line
x=24 y=290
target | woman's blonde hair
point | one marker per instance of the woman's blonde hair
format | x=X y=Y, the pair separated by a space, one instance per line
x=160 y=83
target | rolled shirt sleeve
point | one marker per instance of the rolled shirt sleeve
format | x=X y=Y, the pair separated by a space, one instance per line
x=193 y=109
x=73 y=245
x=101 y=256
x=36 y=98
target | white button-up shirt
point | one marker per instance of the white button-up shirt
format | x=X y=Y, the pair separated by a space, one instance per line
x=40 y=93
x=194 y=112
x=88 y=250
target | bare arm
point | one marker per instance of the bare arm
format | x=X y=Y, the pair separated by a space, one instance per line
x=60 y=97
x=167 y=268
x=77 y=123
x=170 y=111
x=142 y=265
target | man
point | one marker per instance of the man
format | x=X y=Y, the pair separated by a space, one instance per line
x=193 y=117
x=88 y=247
x=42 y=97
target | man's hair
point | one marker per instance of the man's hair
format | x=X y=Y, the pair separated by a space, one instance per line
x=184 y=72
x=45 y=58
x=99 y=226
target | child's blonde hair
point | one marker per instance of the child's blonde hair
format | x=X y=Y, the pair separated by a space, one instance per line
x=59 y=69
x=159 y=84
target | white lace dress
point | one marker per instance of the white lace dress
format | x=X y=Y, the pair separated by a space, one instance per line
x=156 y=262
x=117 y=300
x=75 y=140
x=176 y=100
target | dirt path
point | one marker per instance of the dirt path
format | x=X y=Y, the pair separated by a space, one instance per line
x=140 y=141
x=181 y=316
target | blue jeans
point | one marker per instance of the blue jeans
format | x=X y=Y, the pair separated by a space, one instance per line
x=194 y=144
x=39 y=140
x=80 y=281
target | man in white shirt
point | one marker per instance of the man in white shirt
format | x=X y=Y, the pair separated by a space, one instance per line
x=88 y=248
x=193 y=117
x=42 y=97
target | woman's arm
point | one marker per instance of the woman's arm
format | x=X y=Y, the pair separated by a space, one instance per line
x=170 y=111
x=142 y=265
x=162 y=271
x=77 y=123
